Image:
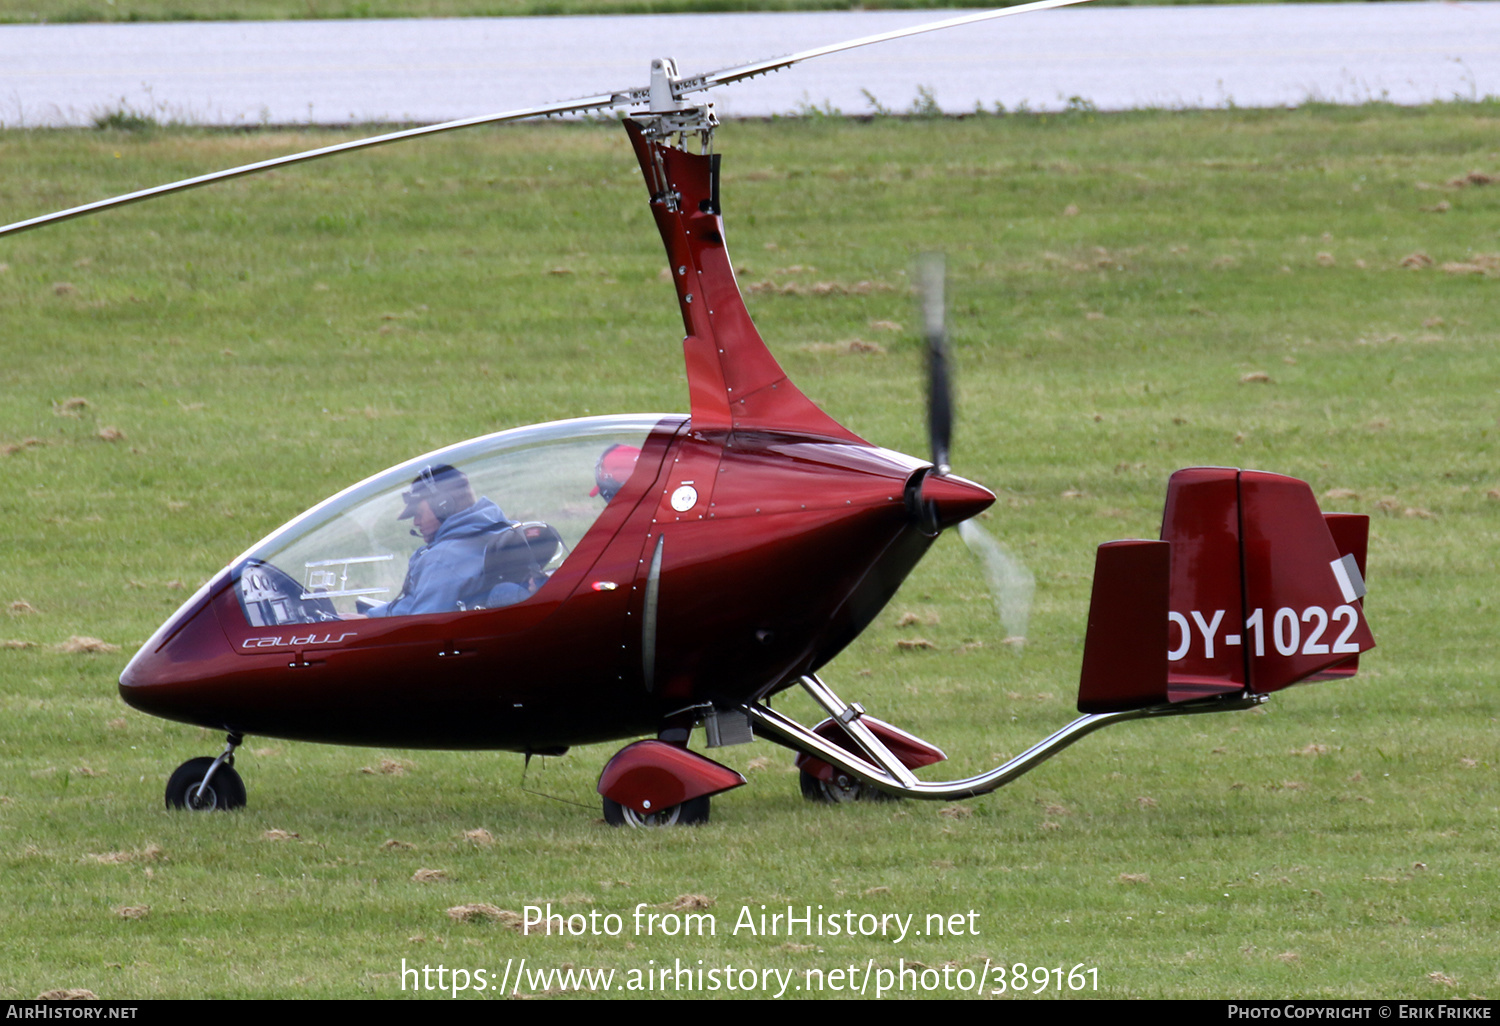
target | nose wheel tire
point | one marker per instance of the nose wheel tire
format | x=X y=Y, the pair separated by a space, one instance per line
x=225 y=791
x=689 y=813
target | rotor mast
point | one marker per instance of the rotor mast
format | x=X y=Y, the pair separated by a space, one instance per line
x=671 y=115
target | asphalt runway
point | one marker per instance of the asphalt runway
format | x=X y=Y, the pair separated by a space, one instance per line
x=248 y=73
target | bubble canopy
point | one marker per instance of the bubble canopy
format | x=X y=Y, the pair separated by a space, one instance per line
x=423 y=538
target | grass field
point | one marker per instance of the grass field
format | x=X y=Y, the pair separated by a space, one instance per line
x=1311 y=292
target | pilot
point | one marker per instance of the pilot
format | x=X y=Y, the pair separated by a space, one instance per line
x=456 y=528
x=613 y=470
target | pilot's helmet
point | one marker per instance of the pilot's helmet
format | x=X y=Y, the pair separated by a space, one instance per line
x=613 y=470
x=445 y=489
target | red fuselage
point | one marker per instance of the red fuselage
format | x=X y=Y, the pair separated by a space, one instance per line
x=798 y=532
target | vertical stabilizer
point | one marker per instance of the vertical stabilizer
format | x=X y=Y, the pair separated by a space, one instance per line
x=1202 y=523
x=1351 y=533
x=1302 y=596
x=1252 y=588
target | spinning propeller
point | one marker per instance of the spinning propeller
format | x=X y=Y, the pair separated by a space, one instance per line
x=1011 y=583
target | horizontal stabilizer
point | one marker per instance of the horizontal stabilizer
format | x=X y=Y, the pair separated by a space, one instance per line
x=1251 y=589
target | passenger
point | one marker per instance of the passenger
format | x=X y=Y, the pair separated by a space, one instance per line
x=456 y=528
x=613 y=470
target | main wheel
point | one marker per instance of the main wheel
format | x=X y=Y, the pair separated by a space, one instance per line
x=836 y=791
x=225 y=791
x=689 y=813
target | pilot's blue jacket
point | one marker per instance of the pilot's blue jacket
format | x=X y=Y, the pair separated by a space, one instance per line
x=451 y=567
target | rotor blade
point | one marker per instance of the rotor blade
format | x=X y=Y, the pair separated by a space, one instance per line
x=680 y=87
x=1011 y=583
x=565 y=107
x=694 y=83
x=932 y=273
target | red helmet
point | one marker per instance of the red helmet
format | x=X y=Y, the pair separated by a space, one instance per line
x=613 y=470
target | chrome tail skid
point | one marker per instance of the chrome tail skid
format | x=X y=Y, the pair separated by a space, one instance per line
x=881 y=769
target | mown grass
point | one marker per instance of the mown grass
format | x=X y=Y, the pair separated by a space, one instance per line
x=1115 y=280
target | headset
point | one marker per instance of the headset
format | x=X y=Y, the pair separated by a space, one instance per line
x=426 y=488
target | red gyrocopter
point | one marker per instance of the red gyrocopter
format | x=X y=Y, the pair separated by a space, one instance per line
x=722 y=557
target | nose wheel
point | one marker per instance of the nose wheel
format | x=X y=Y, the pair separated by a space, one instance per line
x=208 y=784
